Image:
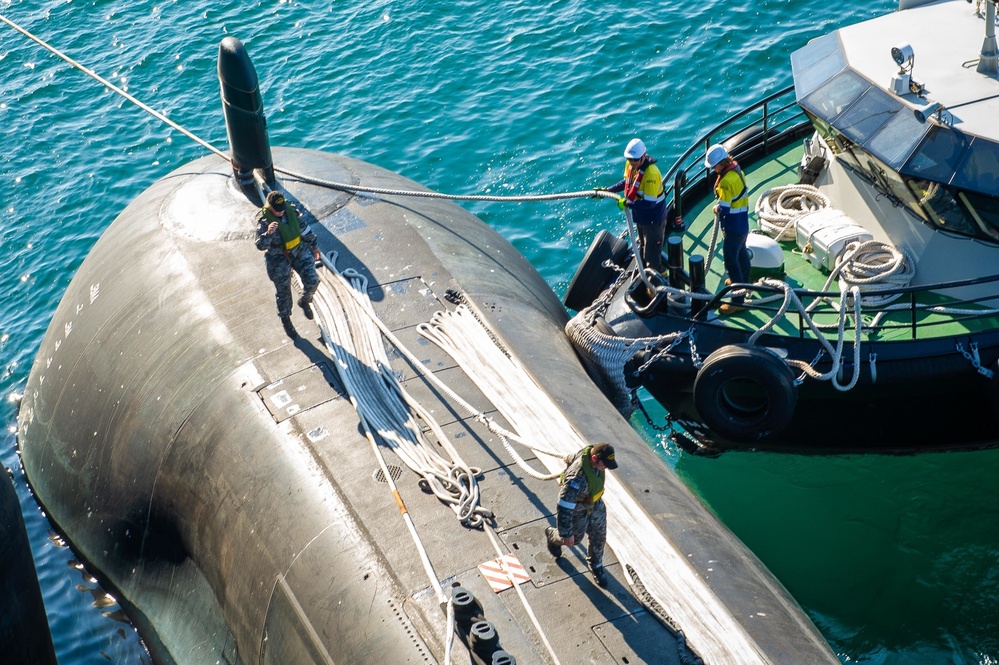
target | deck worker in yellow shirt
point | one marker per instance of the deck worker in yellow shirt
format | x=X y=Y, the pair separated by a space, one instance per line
x=644 y=195
x=732 y=210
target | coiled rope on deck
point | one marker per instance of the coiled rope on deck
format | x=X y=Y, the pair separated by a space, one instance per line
x=363 y=365
x=504 y=435
x=778 y=209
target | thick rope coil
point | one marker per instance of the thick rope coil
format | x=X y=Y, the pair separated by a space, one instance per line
x=779 y=208
x=498 y=376
x=356 y=345
x=873 y=264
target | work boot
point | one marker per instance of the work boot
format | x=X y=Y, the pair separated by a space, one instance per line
x=306 y=307
x=554 y=548
x=729 y=308
x=288 y=328
x=599 y=576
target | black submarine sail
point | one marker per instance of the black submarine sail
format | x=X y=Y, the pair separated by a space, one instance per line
x=221 y=480
x=245 y=122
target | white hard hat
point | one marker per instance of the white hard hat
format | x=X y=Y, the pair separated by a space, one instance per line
x=635 y=149
x=715 y=154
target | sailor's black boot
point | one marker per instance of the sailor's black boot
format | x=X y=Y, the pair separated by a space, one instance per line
x=288 y=328
x=306 y=307
x=554 y=544
x=599 y=575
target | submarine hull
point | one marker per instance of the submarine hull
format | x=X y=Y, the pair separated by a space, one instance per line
x=213 y=472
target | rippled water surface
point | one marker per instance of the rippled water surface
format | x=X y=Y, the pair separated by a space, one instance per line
x=894 y=558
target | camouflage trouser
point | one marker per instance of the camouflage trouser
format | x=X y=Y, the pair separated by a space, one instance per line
x=279 y=270
x=594 y=525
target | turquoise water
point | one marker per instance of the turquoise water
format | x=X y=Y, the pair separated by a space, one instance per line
x=893 y=557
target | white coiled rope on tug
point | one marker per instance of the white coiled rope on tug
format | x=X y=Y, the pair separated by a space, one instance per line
x=779 y=208
x=873 y=264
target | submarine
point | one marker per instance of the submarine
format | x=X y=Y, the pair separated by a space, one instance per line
x=238 y=493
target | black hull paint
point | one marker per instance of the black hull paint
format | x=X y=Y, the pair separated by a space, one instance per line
x=920 y=395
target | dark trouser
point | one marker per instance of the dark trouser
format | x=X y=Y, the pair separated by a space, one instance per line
x=279 y=270
x=650 y=239
x=591 y=523
x=736 y=259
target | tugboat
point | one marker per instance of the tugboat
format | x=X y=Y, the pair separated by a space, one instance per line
x=870 y=321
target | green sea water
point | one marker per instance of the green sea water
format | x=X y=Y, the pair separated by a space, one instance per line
x=892 y=557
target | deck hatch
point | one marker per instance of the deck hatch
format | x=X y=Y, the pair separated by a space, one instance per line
x=297 y=392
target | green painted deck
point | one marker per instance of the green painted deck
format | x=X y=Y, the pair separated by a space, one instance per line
x=781 y=168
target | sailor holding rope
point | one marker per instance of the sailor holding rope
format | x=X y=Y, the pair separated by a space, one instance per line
x=643 y=193
x=732 y=212
x=581 y=510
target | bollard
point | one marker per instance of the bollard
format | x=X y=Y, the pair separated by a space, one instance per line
x=674 y=254
x=483 y=640
x=696 y=283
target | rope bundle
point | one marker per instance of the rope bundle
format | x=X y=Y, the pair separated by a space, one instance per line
x=363 y=365
x=779 y=208
x=873 y=264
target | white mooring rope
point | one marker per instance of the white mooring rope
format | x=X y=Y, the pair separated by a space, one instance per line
x=352 y=332
x=778 y=209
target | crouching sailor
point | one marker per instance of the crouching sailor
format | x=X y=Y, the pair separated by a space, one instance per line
x=281 y=233
x=581 y=510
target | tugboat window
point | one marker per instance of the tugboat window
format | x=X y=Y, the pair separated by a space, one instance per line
x=938 y=155
x=984 y=210
x=942 y=208
x=842 y=147
x=831 y=99
x=871 y=112
x=816 y=62
x=896 y=140
x=980 y=171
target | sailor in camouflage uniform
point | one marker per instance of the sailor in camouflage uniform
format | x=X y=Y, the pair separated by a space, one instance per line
x=581 y=510
x=289 y=243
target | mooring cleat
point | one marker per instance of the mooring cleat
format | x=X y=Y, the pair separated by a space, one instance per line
x=289 y=329
x=306 y=307
x=551 y=535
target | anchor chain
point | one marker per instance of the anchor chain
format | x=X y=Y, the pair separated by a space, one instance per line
x=668 y=427
x=973 y=358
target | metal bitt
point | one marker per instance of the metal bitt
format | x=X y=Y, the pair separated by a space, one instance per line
x=989 y=62
x=696 y=283
x=478 y=634
x=244 y=117
x=674 y=255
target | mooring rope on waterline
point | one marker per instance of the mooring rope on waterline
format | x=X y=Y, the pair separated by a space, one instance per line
x=329 y=184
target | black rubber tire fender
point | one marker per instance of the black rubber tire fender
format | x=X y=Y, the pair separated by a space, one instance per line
x=591 y=276
x=745 y=393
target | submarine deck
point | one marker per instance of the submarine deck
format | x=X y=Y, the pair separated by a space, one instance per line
x=583 y=622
